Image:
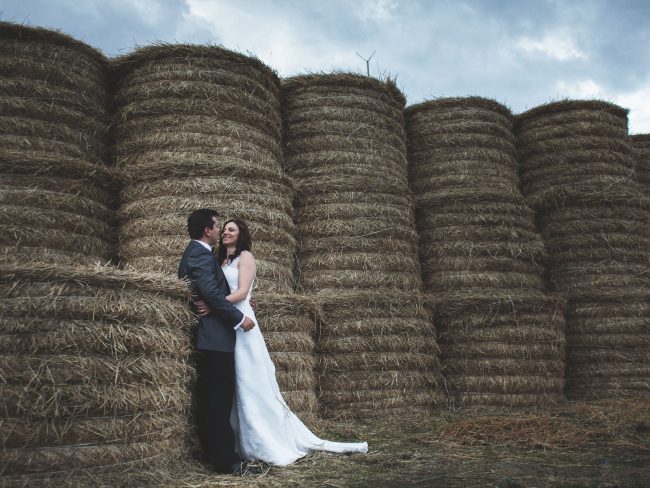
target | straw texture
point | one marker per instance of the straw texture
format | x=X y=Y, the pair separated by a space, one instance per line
x=57 y=195
x=96 y=378
x=345 y=147
x=378 y=355
x=501 y=335
x=287 y=323
x=578 y=171
x=641 y=151
x=199 y=126
x=357 y=245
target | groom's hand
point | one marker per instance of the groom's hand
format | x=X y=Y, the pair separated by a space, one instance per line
x=248 y=324
x=202 y=308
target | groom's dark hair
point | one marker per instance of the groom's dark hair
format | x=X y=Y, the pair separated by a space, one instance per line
x=199 y=220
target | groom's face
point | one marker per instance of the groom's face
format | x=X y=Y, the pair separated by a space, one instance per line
x=213 y=233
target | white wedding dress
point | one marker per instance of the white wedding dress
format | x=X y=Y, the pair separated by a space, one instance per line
x=265 y=427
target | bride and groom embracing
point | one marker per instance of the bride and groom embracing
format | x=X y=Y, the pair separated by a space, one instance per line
x=241 y=413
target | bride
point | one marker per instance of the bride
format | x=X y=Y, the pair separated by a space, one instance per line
x=265 y=428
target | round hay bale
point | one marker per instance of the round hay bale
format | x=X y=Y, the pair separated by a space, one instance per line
x=199 y=126
x=57 y=193
x=96 y=378
x=608 y=345
x=158 y=85
x=373 y=344
x=469 y=207
x=457 y=142
x=641 y=151
x=345 y=147
x=511 y=400
x=287 y=323
x=567 y=146
x=577 y=170
x=496 y=347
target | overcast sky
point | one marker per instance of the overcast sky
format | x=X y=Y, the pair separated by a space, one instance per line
x=522 y=53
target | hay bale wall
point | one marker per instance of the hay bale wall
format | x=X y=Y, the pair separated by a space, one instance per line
x=200 y=127
x=95 y=375
x=577 y=171
x=501 y=335
x=641 y=149
x=345 y=148
x=57 y=195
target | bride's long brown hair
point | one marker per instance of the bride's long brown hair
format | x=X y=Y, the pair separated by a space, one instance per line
x=244 y=241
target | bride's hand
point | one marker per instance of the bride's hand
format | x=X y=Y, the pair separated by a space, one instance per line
x=202 y=308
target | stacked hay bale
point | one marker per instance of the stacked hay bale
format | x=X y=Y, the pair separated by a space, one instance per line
x=287 y=323
x=379 y=354
x=501 y=335
x=641 y=146
x=56 y=194
x=345 y=147
x=95 y=378
x=577 y=173
x=200 y=127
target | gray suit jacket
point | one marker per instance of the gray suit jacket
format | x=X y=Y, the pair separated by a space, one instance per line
x=216 y=330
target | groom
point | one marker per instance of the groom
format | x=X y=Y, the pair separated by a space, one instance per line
x=215 y=341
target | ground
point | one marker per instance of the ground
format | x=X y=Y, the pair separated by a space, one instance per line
x=577 y=445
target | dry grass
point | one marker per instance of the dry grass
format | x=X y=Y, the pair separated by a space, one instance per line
x=103 y=388
x=608 y=345
x=575 y=444
x=357 y=244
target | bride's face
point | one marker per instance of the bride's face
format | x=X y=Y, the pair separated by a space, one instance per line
x=230 y=234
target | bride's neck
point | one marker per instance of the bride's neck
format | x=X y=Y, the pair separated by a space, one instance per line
x=230 y=250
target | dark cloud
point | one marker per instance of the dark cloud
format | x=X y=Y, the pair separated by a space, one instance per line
x=522 y=53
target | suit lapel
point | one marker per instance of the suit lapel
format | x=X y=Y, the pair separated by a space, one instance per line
x=221 y=278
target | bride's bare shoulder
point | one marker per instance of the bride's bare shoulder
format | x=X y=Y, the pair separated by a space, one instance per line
x=246 y=256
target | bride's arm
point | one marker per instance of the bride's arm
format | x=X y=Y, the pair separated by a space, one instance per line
x=247 y=269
